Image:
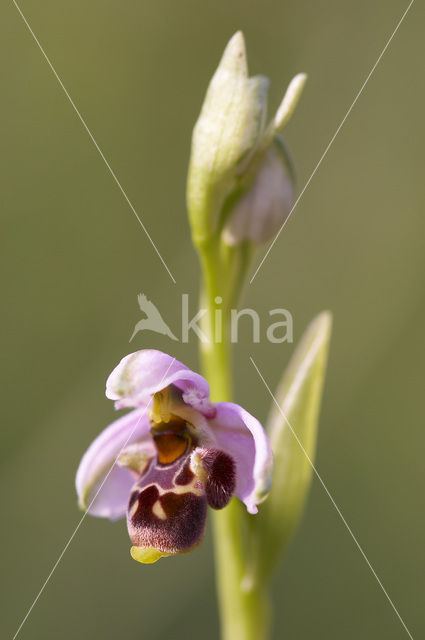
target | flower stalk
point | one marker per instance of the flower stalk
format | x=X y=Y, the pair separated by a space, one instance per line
x=244 y=605
x=240 y=191
x=244 y=608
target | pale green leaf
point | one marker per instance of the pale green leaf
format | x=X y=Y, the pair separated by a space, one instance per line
x=292 y=428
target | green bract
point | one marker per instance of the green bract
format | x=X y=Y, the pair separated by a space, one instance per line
x=292 y=429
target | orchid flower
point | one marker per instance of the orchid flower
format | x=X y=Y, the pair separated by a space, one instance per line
x=176 y=453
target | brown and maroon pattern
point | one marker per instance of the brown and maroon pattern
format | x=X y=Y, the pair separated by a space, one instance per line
x=220 y=476
x=168 y=504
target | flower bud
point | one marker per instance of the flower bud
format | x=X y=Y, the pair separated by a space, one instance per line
x=231 y=120
x=261 y=211
x=235 y=157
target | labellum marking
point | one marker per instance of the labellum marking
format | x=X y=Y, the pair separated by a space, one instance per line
x=132 y=510
x=158 y=510
x=168 y=505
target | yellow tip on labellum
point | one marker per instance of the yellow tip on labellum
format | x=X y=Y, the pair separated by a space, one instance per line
x=147 y=555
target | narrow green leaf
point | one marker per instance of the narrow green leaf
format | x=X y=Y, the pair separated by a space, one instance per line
x=292 y=428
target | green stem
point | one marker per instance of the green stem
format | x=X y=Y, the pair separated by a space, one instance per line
x=244 y=607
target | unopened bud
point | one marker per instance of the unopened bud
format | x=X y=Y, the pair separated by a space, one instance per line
x=237 y=157
x=261 y=211
x=231 y=121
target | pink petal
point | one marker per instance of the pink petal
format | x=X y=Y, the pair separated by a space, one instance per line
x=141 y=374
x=103 y=487
x=240 y=435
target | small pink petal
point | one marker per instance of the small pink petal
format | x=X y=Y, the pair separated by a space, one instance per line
x=103 y=487
x=240 y=435
x=141 y=374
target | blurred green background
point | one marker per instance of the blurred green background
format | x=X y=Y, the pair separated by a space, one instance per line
x=74 y=258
